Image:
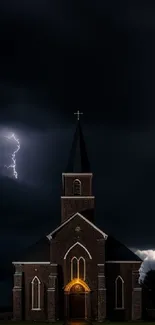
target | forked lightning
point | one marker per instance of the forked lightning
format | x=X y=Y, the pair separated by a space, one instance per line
x=13 y=156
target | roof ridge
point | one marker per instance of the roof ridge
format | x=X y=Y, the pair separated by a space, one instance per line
x=118 y=249
x=69 y=219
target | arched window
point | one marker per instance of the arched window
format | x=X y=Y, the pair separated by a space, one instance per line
x=77 y=187
x=35 y=284
x=81 y=268
x=119 y=293
x=74 y=268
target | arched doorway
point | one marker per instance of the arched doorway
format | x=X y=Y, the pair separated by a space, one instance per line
x=77 y=300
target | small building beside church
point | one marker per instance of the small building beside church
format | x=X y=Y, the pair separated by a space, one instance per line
x=77 y=271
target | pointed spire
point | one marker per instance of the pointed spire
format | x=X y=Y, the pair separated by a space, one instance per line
x=78 y=160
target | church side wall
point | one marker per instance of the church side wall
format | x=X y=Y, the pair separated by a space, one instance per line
x=125 y=270
x=42 y=272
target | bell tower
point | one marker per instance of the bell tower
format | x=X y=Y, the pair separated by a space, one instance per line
x=77 y=180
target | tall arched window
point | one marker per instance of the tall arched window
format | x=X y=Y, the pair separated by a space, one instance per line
x=81 y=268
x=74 y=268
x=77 y=187
x=35 y=284
x=119 y=293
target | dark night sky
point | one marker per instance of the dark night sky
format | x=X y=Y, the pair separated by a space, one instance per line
x=58 y=56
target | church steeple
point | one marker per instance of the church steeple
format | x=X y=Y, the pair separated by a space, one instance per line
x=77 y=180
x=78 y=160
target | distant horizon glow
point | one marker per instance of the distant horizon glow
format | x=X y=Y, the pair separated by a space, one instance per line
x=13 y=156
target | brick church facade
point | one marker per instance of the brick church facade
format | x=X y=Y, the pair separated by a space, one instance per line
x=77 y=271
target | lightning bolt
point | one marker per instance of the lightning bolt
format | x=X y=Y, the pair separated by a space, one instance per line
x=13 y=156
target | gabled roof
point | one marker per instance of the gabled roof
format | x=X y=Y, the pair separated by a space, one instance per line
x=38 y=252
x=71 y=218
x=78 y=160
x=88 y=214
x=116 y=251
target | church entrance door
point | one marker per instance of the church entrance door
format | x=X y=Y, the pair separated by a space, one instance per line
x=77 y=306
x=77 y=302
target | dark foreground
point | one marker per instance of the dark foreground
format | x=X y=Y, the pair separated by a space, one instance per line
x=10 y=322
x=77 y=323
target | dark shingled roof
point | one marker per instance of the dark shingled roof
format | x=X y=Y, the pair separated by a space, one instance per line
x=116 y=251
x=78 y=160
x=38 y=252
x=88 y=213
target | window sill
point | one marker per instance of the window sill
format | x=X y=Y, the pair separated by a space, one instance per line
x=119 y=308
x=36 y=309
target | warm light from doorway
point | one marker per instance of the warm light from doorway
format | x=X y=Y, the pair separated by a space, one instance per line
x=77 y=282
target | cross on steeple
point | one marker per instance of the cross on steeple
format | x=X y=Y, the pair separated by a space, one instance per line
x=78 y=113
x=78 y=161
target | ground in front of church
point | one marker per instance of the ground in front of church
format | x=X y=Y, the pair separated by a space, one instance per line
x=77 y=323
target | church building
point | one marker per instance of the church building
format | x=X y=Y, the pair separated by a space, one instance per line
x=77 y=271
